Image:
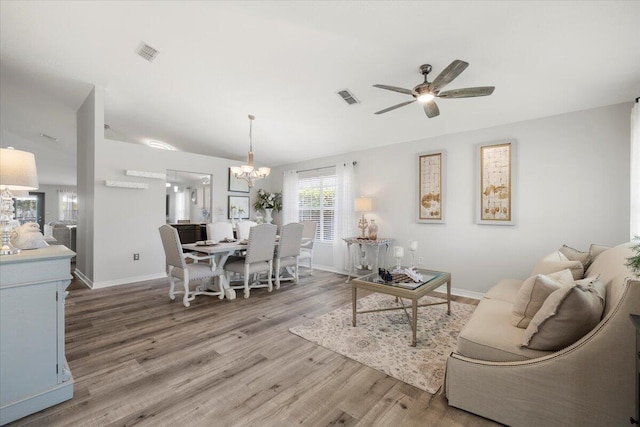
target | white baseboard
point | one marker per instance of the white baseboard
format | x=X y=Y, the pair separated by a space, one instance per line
x=108 y=283
x=84 y=279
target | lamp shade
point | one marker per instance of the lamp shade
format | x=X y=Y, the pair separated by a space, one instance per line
x=18 y=170
x=362 y=204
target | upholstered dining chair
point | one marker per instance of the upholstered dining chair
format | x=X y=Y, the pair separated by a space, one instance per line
x=288 y=250
x=259 y=259
x=218 y=231
x=180 y=269
x=242 y=229
x=306 y=248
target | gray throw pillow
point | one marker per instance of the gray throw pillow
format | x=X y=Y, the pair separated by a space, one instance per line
x=566 y=316
x=533 y=293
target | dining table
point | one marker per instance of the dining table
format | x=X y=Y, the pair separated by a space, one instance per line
x=219 y=252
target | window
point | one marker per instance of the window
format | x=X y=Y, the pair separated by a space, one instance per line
x=67 y=205
x=316 y=201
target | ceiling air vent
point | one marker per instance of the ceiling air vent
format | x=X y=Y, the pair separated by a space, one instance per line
x=146 y=52
x=348 y=97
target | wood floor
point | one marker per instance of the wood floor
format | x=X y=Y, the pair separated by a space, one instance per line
x=139 y=359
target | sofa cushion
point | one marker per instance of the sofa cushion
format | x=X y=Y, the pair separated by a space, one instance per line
x=555 y=262
x=505 y=290
x=575 y=255
x=566 y=315
x=533 y=292
x=489 y=335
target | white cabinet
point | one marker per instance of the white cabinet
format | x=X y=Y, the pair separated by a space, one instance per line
x=33 y=370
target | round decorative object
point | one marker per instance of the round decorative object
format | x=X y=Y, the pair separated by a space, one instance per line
x=194 y=196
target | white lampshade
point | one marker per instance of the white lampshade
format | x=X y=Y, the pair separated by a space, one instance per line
x=264 y=171
x=18 y=170
x=363 y=204
x=246 y=168
x=235 y=170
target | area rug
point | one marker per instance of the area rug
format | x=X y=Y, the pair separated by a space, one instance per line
x=382 y=340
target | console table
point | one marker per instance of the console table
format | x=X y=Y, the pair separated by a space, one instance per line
x=33 y=367
x=360 y=242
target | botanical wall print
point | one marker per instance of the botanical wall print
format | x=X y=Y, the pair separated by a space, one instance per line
x=431 y=187
x=238 y=207
x=496 y=184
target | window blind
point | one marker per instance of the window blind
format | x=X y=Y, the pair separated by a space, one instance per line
x=316 y=201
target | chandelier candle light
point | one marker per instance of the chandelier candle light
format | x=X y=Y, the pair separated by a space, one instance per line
x=363 y=204
x=413 y=247
x=17 y=172
x=249 y=172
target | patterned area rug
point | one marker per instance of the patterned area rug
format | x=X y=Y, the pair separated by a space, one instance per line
x=382 y=340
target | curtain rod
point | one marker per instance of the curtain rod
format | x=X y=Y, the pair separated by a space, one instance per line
x=322 y=167
x=637 y=99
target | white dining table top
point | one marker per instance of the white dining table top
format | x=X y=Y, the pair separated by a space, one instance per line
x=215 y=248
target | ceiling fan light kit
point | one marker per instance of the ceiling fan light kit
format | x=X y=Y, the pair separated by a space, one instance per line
x=249 y=172
x=426 y=92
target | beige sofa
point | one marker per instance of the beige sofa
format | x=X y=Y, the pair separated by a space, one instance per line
x=589 y=383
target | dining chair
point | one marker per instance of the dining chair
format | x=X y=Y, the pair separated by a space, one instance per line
x=288 y=250
x=306 y=248
x=259 y=258
x=242 y=229
x=176 y=260
x=218 y=231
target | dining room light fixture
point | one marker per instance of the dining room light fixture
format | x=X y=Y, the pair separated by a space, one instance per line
x=249 y=172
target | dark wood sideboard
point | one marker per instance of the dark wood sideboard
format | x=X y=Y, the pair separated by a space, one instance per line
x=190 y=233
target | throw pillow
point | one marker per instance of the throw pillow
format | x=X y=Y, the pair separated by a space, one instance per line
x=532 y=294
x=596 y=250
x=566 y=316
x=555 y=262
x=575 y=255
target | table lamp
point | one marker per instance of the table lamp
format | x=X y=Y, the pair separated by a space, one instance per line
x=17 y=172
x=363 y=204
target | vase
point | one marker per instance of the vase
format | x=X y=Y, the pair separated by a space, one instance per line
x=373 y=230
x=267 y=215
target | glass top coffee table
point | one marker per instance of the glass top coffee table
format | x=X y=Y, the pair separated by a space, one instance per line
x=406 y=289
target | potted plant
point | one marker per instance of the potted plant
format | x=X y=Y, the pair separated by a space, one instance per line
x=634 y=260
x=268 y=202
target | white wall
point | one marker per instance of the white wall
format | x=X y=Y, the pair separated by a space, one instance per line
x=127 y=220
x=572 y=187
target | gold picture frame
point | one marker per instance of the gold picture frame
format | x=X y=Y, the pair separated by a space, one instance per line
x=496 y=184
x=431 y=167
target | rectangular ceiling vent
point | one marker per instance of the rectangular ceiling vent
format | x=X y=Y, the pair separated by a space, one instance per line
x=147 y=52
x=348 y=97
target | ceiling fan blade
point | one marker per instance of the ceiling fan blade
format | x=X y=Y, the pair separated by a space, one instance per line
x=431 y=109
x=395 y=106
x=467 y=92
x=448 y=74
x=395 y=89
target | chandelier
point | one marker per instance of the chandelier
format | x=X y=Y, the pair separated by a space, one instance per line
x=249 y=172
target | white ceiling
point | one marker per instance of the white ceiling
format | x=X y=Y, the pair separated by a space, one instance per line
x=285 y=61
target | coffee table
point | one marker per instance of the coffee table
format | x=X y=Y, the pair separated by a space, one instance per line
x=370 y=282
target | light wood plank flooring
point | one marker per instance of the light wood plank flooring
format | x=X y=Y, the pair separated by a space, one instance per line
x=139 y=359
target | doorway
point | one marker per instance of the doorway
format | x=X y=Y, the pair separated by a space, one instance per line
x=30 y=209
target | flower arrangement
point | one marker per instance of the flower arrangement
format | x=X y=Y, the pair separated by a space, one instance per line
x=268 y=200
x=634 y=261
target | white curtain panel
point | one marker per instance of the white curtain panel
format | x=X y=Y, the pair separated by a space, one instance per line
x=344 y=214
x=290 y=202
x=67 y=205
x=635 y=171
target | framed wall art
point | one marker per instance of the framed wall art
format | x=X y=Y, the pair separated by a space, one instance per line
x=237 y=185
x=241 y=205
x=431 y=174
x=495 y=197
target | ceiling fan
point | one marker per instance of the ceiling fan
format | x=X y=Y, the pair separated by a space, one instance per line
x=427 y=91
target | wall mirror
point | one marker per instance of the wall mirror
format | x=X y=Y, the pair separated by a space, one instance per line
x=189 y=197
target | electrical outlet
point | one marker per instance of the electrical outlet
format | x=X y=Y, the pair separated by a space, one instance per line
x=420 y=260
x=136 y=257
